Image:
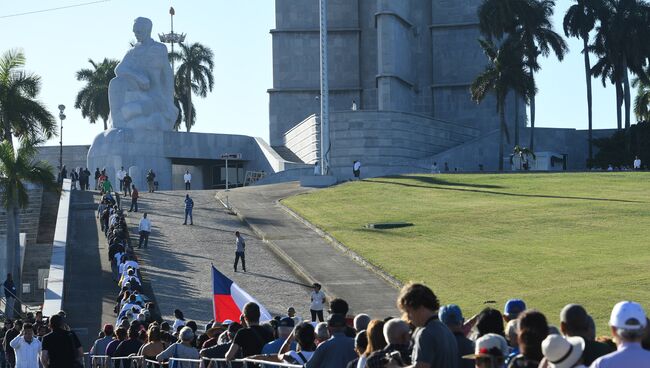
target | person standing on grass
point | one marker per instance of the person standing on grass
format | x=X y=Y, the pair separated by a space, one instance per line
x=240 y=245
x=189 y=205
x=317 y=303
x=356 y=169
x=134 y=198
x=187 y=178
x=145 y=229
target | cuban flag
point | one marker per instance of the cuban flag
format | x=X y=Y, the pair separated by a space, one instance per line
x=229 y=299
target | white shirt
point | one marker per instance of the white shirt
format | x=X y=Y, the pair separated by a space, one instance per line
x=121 y=174
x=124 y=267
x=187 y=177
x=145 y=225
x=317 y=300
x=26 y=353
x=357 y=165
x=637 y=163
x=177 y=323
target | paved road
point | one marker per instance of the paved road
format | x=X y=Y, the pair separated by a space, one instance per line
x=364 y=290
x=177 y=262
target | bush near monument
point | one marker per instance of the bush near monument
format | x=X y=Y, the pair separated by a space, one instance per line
x=550 y=239
x=612 y=150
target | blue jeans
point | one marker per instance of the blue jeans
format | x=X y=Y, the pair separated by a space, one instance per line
x=188 y=212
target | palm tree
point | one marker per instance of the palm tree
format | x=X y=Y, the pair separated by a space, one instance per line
x=92 y=99
x=579 y=20
x=523 y=153
x=505 y=72
x=21 y=114
x=18 y=169
x=642 y=100
x=194 y=75
x=181 y=101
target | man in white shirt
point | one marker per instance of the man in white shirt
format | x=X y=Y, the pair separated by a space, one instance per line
x=637 y=163
x=356 y=169
x=187 y=178
x=26 y=348
x=121 y=173
x=317 y=302
x=145 y=229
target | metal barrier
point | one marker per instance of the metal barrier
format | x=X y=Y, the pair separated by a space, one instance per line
x=138 y=361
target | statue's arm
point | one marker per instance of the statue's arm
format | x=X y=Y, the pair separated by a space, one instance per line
x=127 y=69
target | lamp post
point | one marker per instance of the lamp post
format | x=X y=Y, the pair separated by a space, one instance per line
x=172 y=37
x=324 y=92
x=62 y=117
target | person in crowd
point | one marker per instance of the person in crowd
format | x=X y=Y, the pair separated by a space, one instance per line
x=107 y=187
x=340 y=306
x=575 y=322
x=154 y=345
x=38 y=320
x=317 y=298
x=398 y=336
x=434 y=346
x=376 y=341
x=322 y=333
x=126 y=184
x=98 y=174
x=129 y=346
x=533 y=329
x=181 y=349
x=8 y=325
x=284 y=329
x=99 y=347
x=74 y=177
x=26 y=348
x=10 y=296
x=338 y=350
x=219 y=351
x=120 y=177
x=302 y=340
x=361 y=321
x=189 y=205
x=60 y=348
x=10 y=354
x=627 y=323
x=490 y=351
x=135 y=195
x=120 y=335
x=151 y=177
x=187 y=178
x=291 y=313
x=144 y=228
x=252 y=338
x=179 y=319
x=489 y=320
x=560 y=352
x=240 y=249
x=360 y=346
x=452 y=316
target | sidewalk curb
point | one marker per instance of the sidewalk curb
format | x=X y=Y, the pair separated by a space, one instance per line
x=297 y=268
x=345 y=250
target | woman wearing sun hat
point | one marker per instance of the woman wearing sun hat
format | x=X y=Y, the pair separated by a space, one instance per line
x=560 y=352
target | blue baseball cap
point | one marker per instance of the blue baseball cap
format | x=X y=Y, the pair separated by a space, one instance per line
x=513 y=307
x=451 y=315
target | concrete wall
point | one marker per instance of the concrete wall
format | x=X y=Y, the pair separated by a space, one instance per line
x=178 y=183
x=304 y=140
x=73 y=156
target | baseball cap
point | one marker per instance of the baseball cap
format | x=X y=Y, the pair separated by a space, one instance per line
x=451 y=315
x=286 y=322
x=226 y=322
x=336 y=320
x=513 y=307
x=489 y=345
x=562 y=352
x=627 y=315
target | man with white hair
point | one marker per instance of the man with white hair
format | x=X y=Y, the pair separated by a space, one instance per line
x=322 y=333
x=361 y=322
x=627 y=323
x=397 y=335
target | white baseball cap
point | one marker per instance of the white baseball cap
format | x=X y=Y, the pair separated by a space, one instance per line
x=489 y=345
x=628 y=316
x=562 y=352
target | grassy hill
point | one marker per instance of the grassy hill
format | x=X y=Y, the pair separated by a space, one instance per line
x=550 y=239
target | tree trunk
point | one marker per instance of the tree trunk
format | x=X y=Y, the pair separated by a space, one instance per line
x=585 y=43
x=531 y=146
x=626 y=96
x=502 y=115
x=16 y=270
x=619 y=101
x=105 y=124
x=188 y=122
x=516 y=118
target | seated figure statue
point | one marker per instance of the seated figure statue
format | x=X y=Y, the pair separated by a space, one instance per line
x=141 y=96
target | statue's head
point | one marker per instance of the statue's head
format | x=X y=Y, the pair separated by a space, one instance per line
x=142 y=29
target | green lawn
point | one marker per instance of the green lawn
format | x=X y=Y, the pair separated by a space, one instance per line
x=550 y=239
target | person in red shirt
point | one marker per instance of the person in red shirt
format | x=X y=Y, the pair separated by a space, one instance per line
x=134 y=198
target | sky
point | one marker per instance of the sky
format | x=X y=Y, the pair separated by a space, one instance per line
x=58 y=43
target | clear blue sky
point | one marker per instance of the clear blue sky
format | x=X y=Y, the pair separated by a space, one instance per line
x=58 y=43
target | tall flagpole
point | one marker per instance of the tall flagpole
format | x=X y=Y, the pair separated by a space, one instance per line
x=324 y=93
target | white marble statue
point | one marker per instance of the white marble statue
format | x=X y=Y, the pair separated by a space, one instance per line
x=141 y=96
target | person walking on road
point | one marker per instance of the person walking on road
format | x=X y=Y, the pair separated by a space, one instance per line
x=187 y=178
x=317 y=303
x=134 y=198
x=239 y=251
x=189 y=204
x=145 y=229
x=10 y=296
